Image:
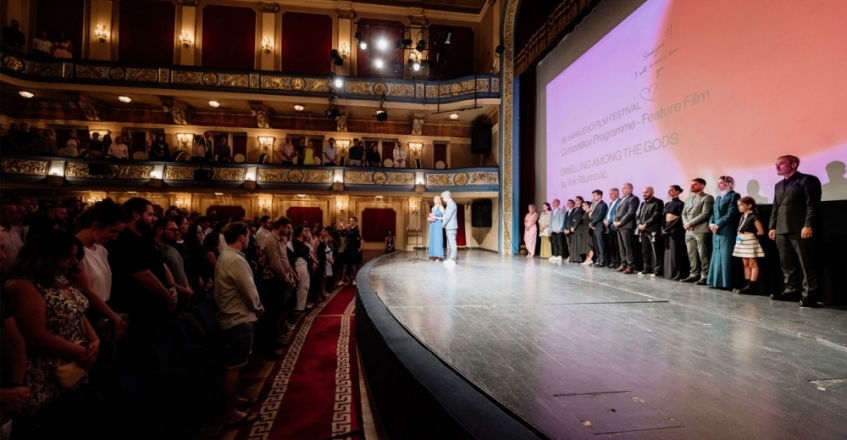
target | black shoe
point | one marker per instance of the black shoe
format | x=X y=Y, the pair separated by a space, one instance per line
x=700 y=282
x=689 y=279
x=785 y=296
x=808 y=302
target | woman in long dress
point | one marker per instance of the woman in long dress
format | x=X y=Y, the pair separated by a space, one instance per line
x=588 y=237
x=723 y=224
x=530 y=231
x=577 y=246
x=676 y=254
x=436 y=241
x=62 y=47
x=544 y=231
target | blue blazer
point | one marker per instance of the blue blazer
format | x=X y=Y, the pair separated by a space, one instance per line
x=725 y=213
x=557 y=221
x=450 y=220
x=610 y=215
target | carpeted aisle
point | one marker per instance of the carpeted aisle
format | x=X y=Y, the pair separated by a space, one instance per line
x=313 y=393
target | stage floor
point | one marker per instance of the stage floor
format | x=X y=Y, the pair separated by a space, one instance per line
x=579 y=352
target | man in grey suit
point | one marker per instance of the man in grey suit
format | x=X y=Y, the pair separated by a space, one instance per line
x=613 y=251
x=597 y=226
x=698 y=238
x=451 y=225
x=625 y=223
x=794 y=220
x=649 y=225
x=557 y=224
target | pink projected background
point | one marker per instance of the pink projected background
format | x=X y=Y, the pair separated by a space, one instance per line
x=684 y=89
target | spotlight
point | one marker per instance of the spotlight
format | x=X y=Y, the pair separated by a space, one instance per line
x=448 y=39
x=332 y=113
x=382 y=43
x=379 y=63
x=407 y=42
x=336 y=57
x=381 y=115
x=214 y=104
x=420 y=46
x=338 y=82
x=398 y=66
x=416 y=65
x=399 y=45
x=500 y=49
x=363 y=44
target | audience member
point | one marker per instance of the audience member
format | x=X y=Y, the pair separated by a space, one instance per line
x=239 y=307
x=118 y=150
x=14 y=394
x=285 y=153
x=42 y=47
x=794 y=221
x=698 y=237
x=625 y=224
x=303 y=266
x=223 y=152
x=62 y=47
x=649 y=232
x=330 y=153
x=676 y=254
x=723 y=223
x=13 y=38
x=389 y=242
x=159 y=149
x=165 y=232
x=95 y=146
x=278 y=279
x=352 y=250
x=372 y=156
x=399 y=156
x=265 y=228
x=357 y=152
x=12 y=242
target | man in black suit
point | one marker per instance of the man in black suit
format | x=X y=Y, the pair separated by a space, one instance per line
x=649 y=226
x=625 y=223
x=598 y=229
x=794 y=219
x=569 y=212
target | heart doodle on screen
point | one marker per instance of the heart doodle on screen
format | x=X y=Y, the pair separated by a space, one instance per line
x=647 y=93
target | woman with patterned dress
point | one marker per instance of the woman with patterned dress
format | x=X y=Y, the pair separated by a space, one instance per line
x=723 y=223
x=436 y=240
x=50 y=311
x=544 y=231
x=530 y=231
x=676 y=265
x=747 y=245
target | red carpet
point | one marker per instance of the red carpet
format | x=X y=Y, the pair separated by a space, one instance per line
x=313 y=393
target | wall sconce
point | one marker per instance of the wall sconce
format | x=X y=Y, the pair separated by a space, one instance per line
x=415 y=147
x=184 y=139
x=185 y=39
x=101 y=132
x=341 y=205
x=344 y=49
x=268 y=44
x=182 y=203
x=266 y=143
x=264 y=206
x=100 y=33
x=414 y=204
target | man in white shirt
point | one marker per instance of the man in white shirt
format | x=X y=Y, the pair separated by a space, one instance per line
x=330 y=153
x=265 y=227
x=10 y=217
x=399 y=157
x=41 y=46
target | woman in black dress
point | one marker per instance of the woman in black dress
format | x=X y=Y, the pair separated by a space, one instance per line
x=579 y=245
x=676 y=254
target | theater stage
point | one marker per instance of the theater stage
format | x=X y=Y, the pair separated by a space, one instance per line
x=578 y=352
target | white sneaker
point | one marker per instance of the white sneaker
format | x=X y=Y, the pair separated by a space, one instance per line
x=641 y=274
x=449 y=262
x=652 y=275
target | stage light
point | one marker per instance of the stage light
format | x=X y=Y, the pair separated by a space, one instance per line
x=382 y=43
x=416 y=65
x=125 y=99
x=363 y=44
x=381 y=115
x=378 y=63
x=332 y=113
x=407 y=42
x=338 y=82
x=448 y=39
x=420 y=46
x=398 y=66
x=399 y=44
x=500 y=49
x=26 y=94
x=336 y=57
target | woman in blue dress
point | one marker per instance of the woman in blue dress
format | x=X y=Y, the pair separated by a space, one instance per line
x=436 y=241
x=723 y=224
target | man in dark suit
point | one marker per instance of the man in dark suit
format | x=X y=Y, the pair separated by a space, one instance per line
x=612 y=251
x=570 y=210
x=649 y=227
x=794 y=219
x=598 y=228
x=625 y=223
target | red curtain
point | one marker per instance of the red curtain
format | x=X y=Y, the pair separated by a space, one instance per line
x=300 y=214
x=226 y=211
x=147 y=32
x=229 y=37
x=460 y=234
x=306 y=43
x=376 y=222
x=54 y=16
x=239 y=145
x=387 y=150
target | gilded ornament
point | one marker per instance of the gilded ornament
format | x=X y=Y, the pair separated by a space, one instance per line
x=295 y=176
x=47 y=69
x=358 y=177
x=210 y=78
x=298 y=83
x=148 y=75
x=461 y=179
x=402 y=90
x=318 y=85
x=272 y=175
x=182 y=77
x=254 y=80
x=230 y=174
x=439 y=179
x=135 y=172
x=318 y=176
x=92 y=72
x=23 y=166
x=345 y=14
x=455 y=88
x=164 y=75
x=13 y=64
x=380 y=88
x=358 y=88
x=231 y=80
x=274 y=82
x=483 y=178
x=419 y=90
x=117 y=73
x=268 y=7
x=380 y=178
x=179 y=173
x=401 y=179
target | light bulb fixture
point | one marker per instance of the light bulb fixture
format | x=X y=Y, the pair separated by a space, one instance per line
x=416 y=65
x=183 y=138
x=382 y=43
x=420 y=46
x=381 y=115
x=100 y=33
x=344 y=49
x=214 y=104
x=125 y=99
x=378 y=63
x=186 y=39
x=267 y=44
x=299 y=108
x=454 y=116
x=415 y=147
x=26 y=94
x=338 y=82
x=363 y=44
x=266 y=142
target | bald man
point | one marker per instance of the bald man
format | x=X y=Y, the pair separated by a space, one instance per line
x=649 y=231
x=625 y=224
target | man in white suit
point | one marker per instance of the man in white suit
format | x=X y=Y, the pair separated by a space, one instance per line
x=451 y=225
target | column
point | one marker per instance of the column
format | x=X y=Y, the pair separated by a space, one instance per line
x=187 y=25
x=100 y=30
x=268 y=32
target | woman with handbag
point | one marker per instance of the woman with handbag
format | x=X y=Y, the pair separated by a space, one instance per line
x=61 y=344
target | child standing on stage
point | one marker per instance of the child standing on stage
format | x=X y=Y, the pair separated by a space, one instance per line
x=747 y=246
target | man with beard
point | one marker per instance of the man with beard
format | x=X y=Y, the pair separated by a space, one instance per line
x=165 y=233
x=139 y=282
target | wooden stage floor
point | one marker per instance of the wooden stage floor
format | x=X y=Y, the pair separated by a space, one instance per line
x=588 y=352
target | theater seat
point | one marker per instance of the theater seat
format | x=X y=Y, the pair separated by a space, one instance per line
x=388 y=163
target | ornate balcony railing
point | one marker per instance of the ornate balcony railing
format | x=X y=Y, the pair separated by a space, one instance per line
x=98 y=174
x=274 y=83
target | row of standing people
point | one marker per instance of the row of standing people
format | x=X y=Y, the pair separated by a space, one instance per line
x=692 y=241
